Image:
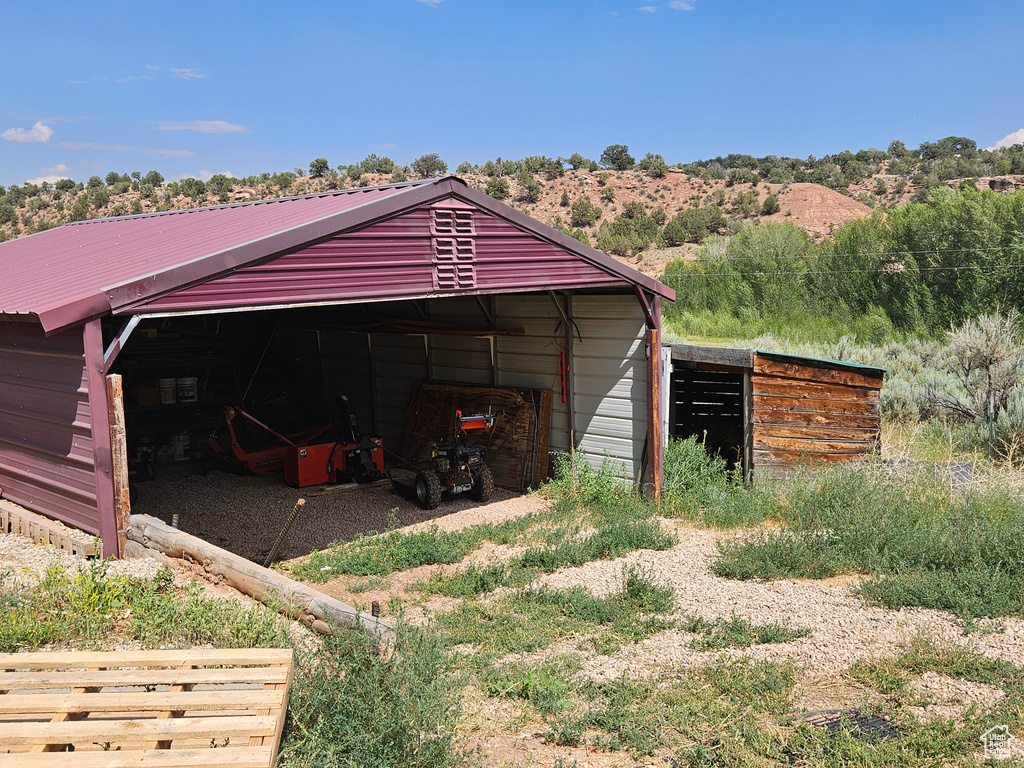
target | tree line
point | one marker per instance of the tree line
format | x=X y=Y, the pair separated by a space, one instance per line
x=918 y=269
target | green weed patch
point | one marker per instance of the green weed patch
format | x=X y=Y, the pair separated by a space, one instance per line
x=740 y=633
x=923 y=542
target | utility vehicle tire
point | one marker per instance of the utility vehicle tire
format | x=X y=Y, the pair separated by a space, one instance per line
x=483 y=486
x=428 y=490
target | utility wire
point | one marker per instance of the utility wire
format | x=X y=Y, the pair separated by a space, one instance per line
x=874 y=253
x=981 y=267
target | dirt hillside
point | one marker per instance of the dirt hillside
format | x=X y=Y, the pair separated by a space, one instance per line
x=814 y=208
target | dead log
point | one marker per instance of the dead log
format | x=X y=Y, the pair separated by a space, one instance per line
x=159 y=541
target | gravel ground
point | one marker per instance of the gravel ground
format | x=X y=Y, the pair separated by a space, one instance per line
x=845 y=628
x=25 y=563
x=245 y=513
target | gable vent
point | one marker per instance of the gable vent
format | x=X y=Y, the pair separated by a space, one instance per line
x=448 y=223
x=454 y=263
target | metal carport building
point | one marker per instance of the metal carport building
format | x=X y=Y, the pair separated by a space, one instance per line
x=71 y=297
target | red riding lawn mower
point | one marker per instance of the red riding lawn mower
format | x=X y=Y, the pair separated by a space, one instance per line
x=454 y=468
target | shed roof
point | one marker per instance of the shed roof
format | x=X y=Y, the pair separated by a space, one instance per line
x=83 y=270
x=744 y=358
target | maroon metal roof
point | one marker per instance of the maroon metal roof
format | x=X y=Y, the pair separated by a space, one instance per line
x=88 y=269
x=387 y=260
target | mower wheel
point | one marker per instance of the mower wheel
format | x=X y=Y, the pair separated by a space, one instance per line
x=483 y=485
x=428 y=490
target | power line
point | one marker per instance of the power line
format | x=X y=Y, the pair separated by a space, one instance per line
x=982 y=267
x=878 y=253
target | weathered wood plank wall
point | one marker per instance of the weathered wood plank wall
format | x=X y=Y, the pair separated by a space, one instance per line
x=811 y=412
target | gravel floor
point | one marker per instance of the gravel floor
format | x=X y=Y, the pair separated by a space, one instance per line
x=245 y=513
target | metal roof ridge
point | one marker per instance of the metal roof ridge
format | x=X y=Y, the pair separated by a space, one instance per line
x=111 y=291
x=262 y=201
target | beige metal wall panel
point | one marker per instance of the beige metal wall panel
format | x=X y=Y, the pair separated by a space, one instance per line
x=610 y=380
x=532 y=360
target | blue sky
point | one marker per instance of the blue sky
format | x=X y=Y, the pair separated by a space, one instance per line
x=196 y=88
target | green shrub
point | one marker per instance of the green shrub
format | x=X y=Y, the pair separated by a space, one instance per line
x=617 y=157
x=428 y=165
x=351 y=706
x=497 y=187
x=583 y=213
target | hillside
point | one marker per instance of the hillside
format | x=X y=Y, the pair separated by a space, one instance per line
x=815 y=208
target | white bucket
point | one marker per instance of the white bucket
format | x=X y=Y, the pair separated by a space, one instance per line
x=181 y=443
x=188 y=389
x=167 y=390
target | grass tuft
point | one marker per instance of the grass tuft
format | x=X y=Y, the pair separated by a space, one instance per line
x=740 y=633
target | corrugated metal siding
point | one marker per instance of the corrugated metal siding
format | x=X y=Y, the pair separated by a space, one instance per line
x=399 y=361
x=388 y=259
x=46 y=440
x=348 y=370
x=508 y=257
x=610 y=381
x=532 y=360
x=461 y=359
x=391 y=259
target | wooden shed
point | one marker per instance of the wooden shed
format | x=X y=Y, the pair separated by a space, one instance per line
x=768 y=412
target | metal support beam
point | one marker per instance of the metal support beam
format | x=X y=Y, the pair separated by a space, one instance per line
x=645 y=305
x=487 y=307
x=118 y=342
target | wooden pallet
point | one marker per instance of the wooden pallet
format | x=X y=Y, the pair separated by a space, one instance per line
x=43 y=530
x=174 y=709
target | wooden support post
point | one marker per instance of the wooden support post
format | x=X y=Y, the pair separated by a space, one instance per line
x=748 y=427
x=655 y=439
x=119 y=458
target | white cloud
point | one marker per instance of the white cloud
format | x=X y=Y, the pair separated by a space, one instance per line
x=133 y=78
x=51 y=175
x=50 y=179
x=202 y=175
x=187 y=74
x=1017 y=137
x=431 y=3
x=152 y=66
x=203 y=126
x=681 y=5
x=648 y=8
x=37 y=134
x=127 y=148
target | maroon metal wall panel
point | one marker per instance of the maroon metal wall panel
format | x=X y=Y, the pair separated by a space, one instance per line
x=46 y=429
x=392 y=259
x=100 y=419
x=509 y=257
